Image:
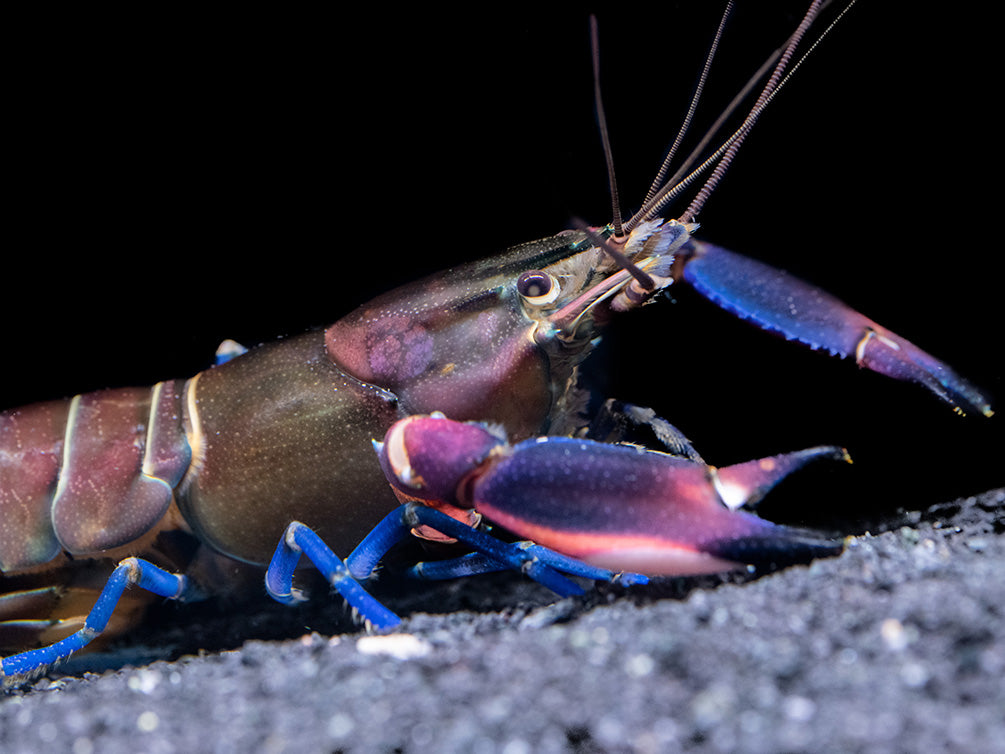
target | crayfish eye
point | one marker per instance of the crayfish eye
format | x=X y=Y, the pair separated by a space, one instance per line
x=537 y=288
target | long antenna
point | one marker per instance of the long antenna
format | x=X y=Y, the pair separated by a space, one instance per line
x=725 y=153
x=602 y=123
x=720 y=170
x=661 y=175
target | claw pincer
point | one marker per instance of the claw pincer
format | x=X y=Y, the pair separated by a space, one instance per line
x=778 y=302
x=619 y=507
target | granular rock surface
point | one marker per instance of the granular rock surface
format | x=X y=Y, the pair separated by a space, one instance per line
x=896 y=645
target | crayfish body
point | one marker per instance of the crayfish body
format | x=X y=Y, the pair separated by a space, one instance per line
x=275 y=445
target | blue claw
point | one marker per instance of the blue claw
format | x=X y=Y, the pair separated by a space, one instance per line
x=781 y=303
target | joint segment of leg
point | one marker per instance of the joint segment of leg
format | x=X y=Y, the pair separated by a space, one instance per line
x=574 y=567
x=390 y=531
x=476 y=563
x=127 y=572
x=509 y=555
x=300 y=539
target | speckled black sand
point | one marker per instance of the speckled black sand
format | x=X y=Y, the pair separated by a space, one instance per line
x=897 y=645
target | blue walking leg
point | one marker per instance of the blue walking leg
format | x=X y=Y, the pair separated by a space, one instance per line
x=127 y=572
x=538 y=563
x=397 y=525
x=476 y=563
x=300 y=539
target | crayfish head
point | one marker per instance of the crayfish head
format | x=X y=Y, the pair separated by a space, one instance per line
x=499 y=340
x=624 y=273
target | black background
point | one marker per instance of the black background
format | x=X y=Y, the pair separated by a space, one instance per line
x=179 y=179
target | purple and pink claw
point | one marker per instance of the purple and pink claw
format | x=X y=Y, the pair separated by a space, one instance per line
x=614 y=506
x=778 y=302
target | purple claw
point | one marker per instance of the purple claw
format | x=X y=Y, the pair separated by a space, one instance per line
x=778 y=302
x=614 y=506
x=622 y=507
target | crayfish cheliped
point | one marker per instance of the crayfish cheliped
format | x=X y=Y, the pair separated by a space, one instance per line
x=221 y=484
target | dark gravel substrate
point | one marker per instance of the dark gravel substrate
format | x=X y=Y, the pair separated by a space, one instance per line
x=897 y=645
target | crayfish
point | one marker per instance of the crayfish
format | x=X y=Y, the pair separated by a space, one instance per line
x=425 y=410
